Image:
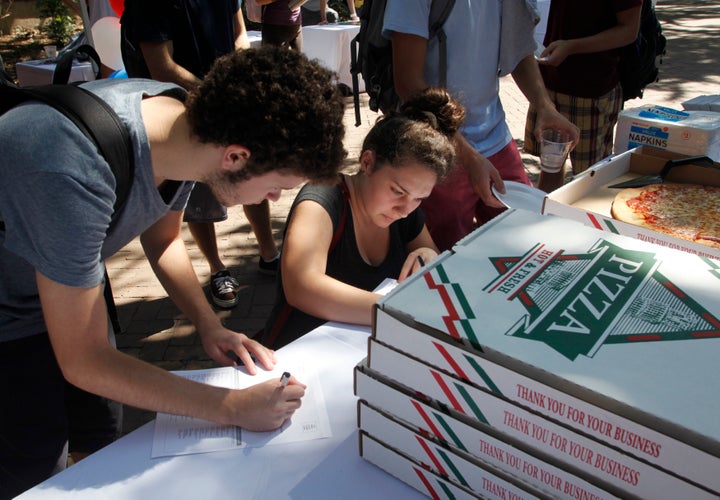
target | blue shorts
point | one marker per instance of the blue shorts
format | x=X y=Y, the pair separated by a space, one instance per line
x=202 y=206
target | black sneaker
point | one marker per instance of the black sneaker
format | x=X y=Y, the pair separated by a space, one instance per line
x=224 y=289
x=269 y=267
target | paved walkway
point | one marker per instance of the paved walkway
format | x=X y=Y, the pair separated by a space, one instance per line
x=155 y=331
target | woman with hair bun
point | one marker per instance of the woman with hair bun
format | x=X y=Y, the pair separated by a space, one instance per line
x=342 y=240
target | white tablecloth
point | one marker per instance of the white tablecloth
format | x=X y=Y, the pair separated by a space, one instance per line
x=40 y=72
x=255 y=38
x=330 y=44
x=322 y=468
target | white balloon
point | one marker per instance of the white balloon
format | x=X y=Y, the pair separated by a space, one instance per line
x=106 y=38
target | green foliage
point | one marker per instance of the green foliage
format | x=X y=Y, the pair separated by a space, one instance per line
x=57 y=22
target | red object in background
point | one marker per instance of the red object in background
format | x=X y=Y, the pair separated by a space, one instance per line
x=118 y=6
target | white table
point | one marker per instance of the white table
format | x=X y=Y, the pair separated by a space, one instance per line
x=330 y=44
x=40 y=72
x=322 y=468
x=255 y=38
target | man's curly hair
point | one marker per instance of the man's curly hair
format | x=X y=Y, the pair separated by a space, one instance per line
x=283 y=107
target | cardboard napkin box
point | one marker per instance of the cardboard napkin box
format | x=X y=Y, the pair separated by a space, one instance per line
x=588 y=198
x=689 y=132
x=626 y=326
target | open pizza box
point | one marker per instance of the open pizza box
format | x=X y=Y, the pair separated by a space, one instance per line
x=588 y=198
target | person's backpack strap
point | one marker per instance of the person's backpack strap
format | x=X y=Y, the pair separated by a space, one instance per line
x=99 y=123
x=95 y=119
x=63 y=66
x=371 y=54
x=439 y=12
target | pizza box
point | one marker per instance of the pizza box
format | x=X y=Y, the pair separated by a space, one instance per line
x=588 y=198
x=461 y=469
x=615 y=428
x=703 y=103
x=565 y=444
x=479 y=441
x=409 y=472
x=627 y=326
x=689 y=132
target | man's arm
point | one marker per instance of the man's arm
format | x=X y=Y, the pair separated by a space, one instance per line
x=158 y=58
x=168 y=257
x=625 y=31
x=77 y=324
x=241 y=37
x=528 y=78
x=409 y=53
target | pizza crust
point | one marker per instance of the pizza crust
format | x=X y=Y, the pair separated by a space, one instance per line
x=620 y=209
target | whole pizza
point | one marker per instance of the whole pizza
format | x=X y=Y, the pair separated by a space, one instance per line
x=687 y=211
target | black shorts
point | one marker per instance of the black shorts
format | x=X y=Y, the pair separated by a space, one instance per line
x=42 y=416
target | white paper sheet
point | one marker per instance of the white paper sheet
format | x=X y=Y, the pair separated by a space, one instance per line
x=176 y=435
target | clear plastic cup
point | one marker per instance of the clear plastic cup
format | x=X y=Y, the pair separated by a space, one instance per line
x=554 y=148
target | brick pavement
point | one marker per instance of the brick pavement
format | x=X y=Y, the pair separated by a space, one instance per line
x=155 y=331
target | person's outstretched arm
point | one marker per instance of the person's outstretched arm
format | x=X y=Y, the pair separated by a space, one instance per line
x=77 y=324
x=304 y=259
x=168 y=257
x=158 y=58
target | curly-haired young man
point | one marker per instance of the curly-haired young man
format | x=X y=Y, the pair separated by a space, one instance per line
x=264 y=120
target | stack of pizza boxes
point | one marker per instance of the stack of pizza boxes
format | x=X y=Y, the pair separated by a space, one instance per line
x=544 y=358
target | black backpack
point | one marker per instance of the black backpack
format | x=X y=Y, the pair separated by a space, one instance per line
x=97 y=121
x=371 y=54
x=638 y=60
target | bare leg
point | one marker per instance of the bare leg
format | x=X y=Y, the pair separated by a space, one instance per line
x=259 y=218
x=204 y=235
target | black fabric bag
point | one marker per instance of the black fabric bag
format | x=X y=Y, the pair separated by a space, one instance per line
x=639 y=60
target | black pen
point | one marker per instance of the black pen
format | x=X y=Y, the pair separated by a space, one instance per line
x=421 y=261
x=284 y=378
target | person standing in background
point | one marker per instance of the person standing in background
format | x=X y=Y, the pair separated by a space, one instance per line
x=177 y=41
x=579 y=67
x=480 y=49
x=281 y=25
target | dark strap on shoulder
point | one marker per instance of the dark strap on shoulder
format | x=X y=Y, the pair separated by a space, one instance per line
x=439 y=12
x=95 y=119
x=63 y=66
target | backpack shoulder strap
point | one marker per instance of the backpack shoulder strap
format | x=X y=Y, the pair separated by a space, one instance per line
x=95 y=119
x=63 y=67
x=439 y=12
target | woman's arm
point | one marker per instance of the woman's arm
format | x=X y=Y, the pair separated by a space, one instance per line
x=304 y=260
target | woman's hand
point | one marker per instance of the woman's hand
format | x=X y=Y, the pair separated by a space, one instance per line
x=415 y=262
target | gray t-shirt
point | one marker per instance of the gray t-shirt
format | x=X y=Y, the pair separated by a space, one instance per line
x=56 y=200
